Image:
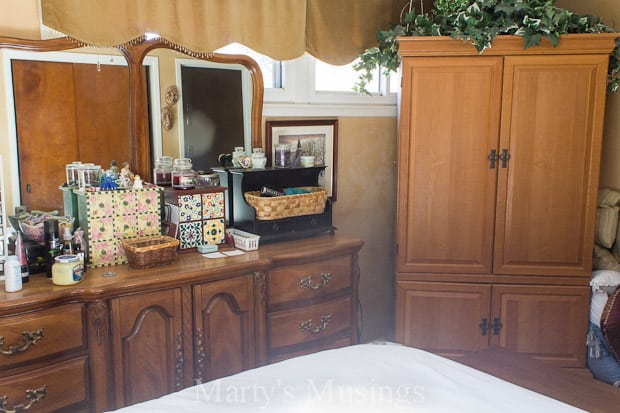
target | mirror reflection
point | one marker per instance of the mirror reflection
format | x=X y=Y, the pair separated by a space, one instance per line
x=66 y=106
x=91 y=105
x=219 y=106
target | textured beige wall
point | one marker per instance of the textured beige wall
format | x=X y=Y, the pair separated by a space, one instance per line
x=366 y=209
x=609 y=11
x=20 y=18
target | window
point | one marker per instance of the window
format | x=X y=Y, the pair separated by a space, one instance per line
x=309 y=87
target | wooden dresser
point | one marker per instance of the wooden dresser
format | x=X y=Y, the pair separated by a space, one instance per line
x=498 y=177
x=124 y=335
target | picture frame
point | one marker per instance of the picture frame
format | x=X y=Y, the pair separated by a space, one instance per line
x=318 y=137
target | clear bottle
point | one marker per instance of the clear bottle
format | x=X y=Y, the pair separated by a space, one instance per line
x=12 y=274
x=67 y=241
x=53 y=246
x=183 y=177
x=80 y=247
x=162 y=173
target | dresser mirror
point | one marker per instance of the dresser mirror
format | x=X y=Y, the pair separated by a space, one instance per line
x=218 y=104
x=125 y=122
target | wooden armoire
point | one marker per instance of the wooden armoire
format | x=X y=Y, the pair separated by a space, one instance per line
x=499 y=158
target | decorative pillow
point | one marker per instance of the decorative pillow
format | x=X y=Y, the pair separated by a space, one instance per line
x=603 y=259
x=597 y=306
x=604 y=278
x=610 y=324
x=608 y=197
x=606 y=225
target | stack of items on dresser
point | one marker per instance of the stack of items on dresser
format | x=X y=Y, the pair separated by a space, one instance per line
x=604 y=331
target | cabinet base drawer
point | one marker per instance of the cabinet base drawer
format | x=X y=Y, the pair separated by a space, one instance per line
x=42 y=334
x=65 y=383
x=308 y=282
x=316 y=322
x=314 y=347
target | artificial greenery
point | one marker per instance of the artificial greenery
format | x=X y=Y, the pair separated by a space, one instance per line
x=480 y=21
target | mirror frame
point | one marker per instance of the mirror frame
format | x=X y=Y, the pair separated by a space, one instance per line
x=135 y=53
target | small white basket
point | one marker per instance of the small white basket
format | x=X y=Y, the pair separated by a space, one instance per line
x=244 y=240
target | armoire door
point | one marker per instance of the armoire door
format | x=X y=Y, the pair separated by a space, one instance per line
x=543 y=321
x=449 y=127
x=547 y=193
x=446 y=318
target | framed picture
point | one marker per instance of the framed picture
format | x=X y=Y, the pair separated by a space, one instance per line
x=318 y=138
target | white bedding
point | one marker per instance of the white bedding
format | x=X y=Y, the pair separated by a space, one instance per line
x=361 y=378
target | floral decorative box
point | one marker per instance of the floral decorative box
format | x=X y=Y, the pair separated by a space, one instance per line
x=108 y=217
x=199 y=215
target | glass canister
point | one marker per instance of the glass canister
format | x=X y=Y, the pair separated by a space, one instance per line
x=73 y=173
x=89 y=175
x=282 y=158
x=205 y=180
x=183 y=176
x=162 y=173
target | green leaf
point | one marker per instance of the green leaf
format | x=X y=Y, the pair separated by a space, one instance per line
x=479 y=22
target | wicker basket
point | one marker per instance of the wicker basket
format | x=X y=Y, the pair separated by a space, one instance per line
x=277 y=207
x=150 y=251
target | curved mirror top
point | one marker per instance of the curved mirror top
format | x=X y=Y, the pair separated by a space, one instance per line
x=216 y=106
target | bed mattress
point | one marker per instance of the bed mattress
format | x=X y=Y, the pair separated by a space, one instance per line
x=360 y=378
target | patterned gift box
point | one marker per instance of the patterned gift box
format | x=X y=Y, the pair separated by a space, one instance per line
x=199 y=215
x=108 y=217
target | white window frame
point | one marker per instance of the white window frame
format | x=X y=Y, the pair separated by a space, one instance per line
x=299 y=98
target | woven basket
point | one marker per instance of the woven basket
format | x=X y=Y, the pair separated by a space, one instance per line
x=277 y=207
x=150 y=251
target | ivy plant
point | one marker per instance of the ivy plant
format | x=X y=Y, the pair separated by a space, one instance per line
x=480 y=21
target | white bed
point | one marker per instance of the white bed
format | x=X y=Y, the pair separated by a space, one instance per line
x=361 y=378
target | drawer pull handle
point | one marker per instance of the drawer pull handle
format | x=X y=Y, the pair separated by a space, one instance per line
x=306 y=282
x=32 y=397
x=307 y=325
x=29 y=337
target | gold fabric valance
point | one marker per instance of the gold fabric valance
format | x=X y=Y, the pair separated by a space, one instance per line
x=335 y=31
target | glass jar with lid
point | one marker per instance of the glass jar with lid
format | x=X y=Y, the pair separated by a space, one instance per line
x=162 y=173
x=73 y=174
x=183 y=177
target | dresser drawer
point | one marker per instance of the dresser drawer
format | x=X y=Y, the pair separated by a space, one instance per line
x=310 y=323
x=309 y=281
x=44 y=333
x=314 y=347
x=59 y=386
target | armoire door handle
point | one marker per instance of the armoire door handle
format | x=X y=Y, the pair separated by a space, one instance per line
x=492 y=158
x=504 y=157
